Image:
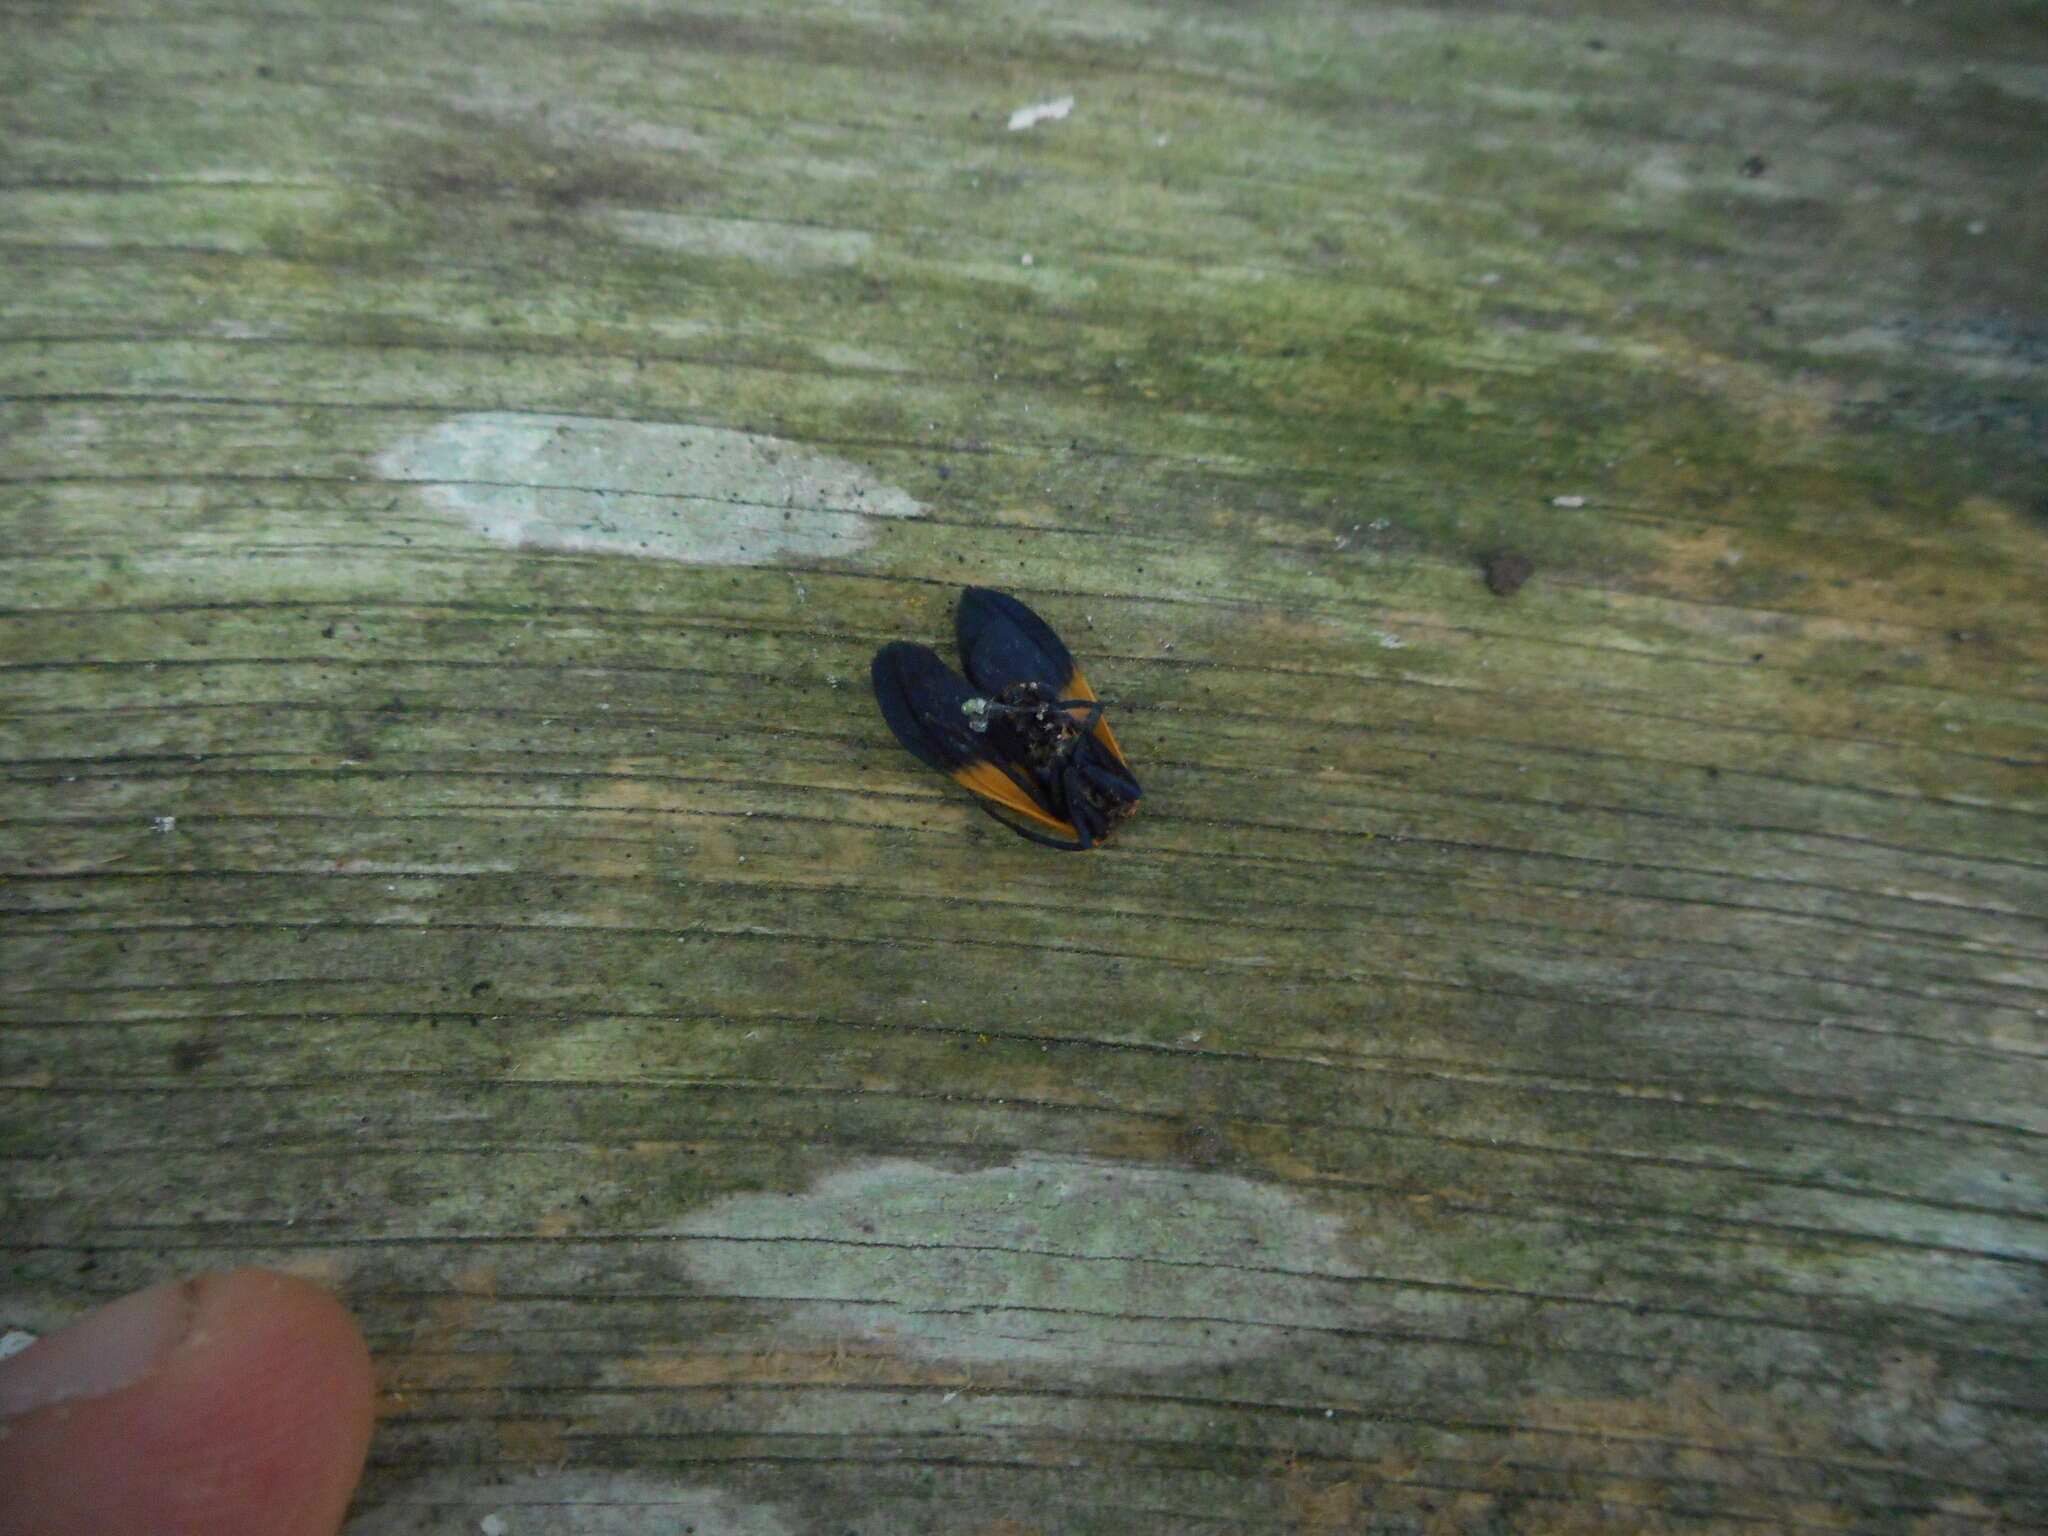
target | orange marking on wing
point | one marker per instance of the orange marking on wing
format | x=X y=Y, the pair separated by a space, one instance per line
x=1077 y=688
x=991 y=783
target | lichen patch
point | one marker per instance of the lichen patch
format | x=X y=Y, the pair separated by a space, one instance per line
x=661 y=490
x=1046 y=1261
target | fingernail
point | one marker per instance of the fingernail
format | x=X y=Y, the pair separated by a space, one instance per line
x=106 y=1349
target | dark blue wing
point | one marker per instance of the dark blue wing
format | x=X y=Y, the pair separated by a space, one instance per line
x=923 y=700
x=1002 y=642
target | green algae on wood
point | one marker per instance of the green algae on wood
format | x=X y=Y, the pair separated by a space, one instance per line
x=1570 y=1058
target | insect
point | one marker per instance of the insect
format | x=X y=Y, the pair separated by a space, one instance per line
x=1022 y=730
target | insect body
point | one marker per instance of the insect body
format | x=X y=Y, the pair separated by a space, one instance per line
x=1023 y=730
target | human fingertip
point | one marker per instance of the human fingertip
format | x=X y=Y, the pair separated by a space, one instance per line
x=235 y=1404
x=108 y=1348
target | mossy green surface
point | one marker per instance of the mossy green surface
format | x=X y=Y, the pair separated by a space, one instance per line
x=1562 y=1059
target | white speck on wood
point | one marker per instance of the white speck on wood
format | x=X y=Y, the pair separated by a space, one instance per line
x=1043 y=112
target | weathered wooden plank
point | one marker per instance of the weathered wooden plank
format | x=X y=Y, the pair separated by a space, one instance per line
x=1571 y=1059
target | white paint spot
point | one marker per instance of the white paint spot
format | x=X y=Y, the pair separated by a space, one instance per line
x=163 y=823
x=1044 y=112
x=493 y=1525
x=14 y=1341
x=1048 y=1260
x=701 y=495
x=1567 y=501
